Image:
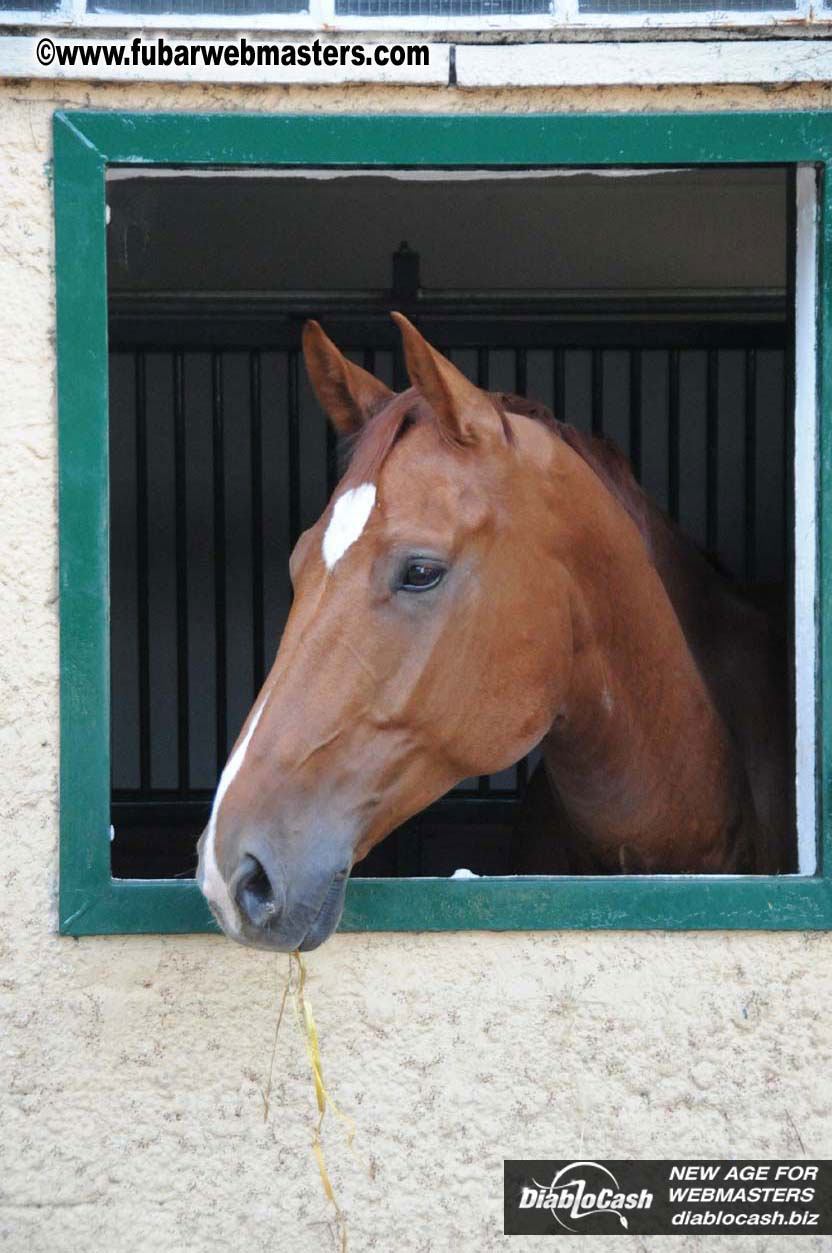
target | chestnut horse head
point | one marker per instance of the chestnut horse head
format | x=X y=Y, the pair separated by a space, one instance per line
x=481 y=580
x=418 y=651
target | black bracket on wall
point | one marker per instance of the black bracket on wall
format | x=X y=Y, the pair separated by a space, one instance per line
x=407 y=282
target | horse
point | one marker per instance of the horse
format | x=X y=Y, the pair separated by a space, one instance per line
x=486 y=579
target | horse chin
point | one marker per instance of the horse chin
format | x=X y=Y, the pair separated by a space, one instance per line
x=329 y=915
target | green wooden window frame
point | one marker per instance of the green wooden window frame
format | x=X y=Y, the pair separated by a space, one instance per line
x=85 y=144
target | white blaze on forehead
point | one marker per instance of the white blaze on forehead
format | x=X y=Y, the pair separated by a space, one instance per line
x=349 y=517
x=212 y=883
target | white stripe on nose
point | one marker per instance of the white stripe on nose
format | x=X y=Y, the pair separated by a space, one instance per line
x=213 y=884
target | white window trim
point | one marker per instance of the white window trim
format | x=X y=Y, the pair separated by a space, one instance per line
x=805 y=515
x=564 y=17
x=646 y=62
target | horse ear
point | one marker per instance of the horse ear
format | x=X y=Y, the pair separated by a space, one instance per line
x=465 y=411
x=347 y=394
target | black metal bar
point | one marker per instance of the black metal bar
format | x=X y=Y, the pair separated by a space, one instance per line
x=135 y=804
x=635 y=411
x=293 y=426
x=520 y=372
x=520 y=321
x=183 y=713
x=559 y=384
x=750 y=464
x=597 y=391
x=712 y=451
x=142 y=591
x=220 y=636
x=361 y=328
x=134 y=810
x=673 y=434
x=258 y=644
x=408 y=849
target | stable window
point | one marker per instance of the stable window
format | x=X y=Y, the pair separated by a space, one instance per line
x=211 y=431
x=650 y=307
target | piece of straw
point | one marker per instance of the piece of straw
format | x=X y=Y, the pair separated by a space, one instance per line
x=295 y=989
x=267 y=1091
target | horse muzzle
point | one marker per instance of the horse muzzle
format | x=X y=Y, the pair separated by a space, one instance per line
x=268 y=921
x=256 y=908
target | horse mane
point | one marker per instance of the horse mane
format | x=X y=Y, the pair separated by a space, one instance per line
x=599 y=452
x=612 y=467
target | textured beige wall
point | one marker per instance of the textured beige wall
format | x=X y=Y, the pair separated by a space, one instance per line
x=130 y=1115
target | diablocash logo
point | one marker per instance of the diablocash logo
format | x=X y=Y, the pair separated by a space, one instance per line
x=577 y=1192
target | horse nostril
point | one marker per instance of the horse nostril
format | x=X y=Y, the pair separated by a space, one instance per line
x=255 y=894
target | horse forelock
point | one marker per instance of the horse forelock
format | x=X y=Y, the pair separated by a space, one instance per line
x=369 y=449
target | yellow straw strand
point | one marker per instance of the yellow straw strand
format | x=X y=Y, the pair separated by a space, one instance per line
x=267 y=1091
x=325 y=1099
x=306 y=1022
x=295 y=989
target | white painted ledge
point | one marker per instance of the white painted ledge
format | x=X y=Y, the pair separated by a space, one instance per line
x=644 y=63
x=19 y=59
x=648 y=63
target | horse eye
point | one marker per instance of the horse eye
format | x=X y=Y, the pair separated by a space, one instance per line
x=418 y=576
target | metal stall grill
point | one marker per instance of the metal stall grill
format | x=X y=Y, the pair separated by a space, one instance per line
x=220 y=457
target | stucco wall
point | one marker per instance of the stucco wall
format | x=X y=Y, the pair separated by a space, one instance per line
x=131 y=1117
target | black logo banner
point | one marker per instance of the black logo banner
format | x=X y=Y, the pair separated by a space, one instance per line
x=682 y=1197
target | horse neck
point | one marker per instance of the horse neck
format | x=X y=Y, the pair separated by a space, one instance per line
x=642 y=762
